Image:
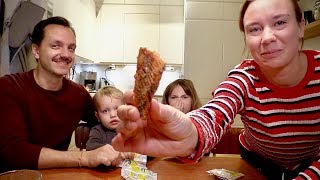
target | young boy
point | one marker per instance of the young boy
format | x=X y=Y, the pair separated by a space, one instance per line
x=106 y=100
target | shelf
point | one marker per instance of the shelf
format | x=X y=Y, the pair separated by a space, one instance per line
x=312 y=30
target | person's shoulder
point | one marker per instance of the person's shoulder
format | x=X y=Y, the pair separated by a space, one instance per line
x=101 y=128
x=97 y=127
x=315 y=54
x=247 y=66
x=15 y=78
x=16 y=81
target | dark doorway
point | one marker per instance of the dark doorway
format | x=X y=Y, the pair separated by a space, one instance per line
x=1 y=16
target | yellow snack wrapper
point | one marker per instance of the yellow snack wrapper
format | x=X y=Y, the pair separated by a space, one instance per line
x=136 y=169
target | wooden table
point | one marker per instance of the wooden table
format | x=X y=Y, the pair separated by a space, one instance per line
x=169 y=168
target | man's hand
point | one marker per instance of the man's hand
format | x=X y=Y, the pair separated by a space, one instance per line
x=127 y=155
x=106 y=155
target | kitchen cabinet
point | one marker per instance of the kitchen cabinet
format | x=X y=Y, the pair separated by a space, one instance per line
x=213 y=45
x=83 y=19
x=147 y=2
x=111 y=34
x=171 y=42
x=204 y=53
x=124 y=28
x=312 y=30
x=141 y=30
x=155 y=2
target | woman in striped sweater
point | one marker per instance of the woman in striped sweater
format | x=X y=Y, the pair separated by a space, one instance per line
x=277 y=94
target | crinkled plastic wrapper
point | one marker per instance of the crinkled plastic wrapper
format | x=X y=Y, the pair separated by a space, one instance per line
x=136 y=169
x=225 y=174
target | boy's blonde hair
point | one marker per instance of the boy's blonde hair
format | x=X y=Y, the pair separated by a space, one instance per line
x=109 y=91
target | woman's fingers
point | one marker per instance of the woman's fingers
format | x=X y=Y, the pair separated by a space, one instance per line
x=129 y=116
x=118 y=142
x=128 y=97
x=179 y=105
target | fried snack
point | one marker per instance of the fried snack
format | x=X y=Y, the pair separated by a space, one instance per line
x=147 y=78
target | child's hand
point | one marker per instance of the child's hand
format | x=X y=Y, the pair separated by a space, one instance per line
x=179 y=105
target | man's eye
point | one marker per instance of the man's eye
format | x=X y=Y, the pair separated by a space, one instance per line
x=54 y=46
x=72 y=49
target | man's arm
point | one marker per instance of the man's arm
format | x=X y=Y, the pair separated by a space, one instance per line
x=16 y=151
x=50 y=158
x=106 y=155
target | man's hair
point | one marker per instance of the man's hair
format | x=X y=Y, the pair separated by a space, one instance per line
x=38 y=31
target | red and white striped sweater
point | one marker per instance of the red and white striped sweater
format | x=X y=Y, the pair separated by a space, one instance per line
x=281 y=124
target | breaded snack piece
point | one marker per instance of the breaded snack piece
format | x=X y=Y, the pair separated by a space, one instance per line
x=147 y=78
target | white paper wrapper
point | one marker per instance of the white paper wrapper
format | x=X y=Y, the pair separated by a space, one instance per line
x=225 y=174
x=136 y=169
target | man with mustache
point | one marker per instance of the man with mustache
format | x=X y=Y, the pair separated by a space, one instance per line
x=41 y=108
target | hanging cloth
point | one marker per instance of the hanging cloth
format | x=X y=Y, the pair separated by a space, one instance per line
x=19 y=26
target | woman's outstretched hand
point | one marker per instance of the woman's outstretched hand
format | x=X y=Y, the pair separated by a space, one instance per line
x=168 y=132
